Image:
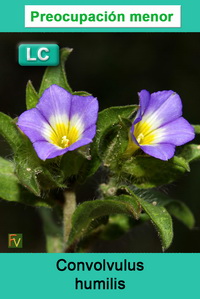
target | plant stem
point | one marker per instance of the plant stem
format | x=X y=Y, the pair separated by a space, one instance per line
x=68 y=210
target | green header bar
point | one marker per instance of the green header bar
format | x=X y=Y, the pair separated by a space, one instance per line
x=13 y=16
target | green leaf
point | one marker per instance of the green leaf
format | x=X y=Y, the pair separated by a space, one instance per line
x=56 y=74
x=10 y=132
x=179 y=210
x=162 y=221
x=89 y=167
x=27 y=177
x=16 y=140
x=190 y=152
x=81 y=93
x=78 y=164
x=27 y=167
x=88 y=211
x=71 y=163
x=148 y=172
x=113 y=145
x=8 y=181
x=110 y=117
x=176 y=208
x=33 y=173
x=157 y=213
x=31 y=96
x=11 y=190
x=107 y=119
x=196 y=129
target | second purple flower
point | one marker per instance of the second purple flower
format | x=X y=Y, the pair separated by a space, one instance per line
x=159 y=126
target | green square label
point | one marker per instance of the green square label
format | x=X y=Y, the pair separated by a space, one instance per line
x=15 y=240
x=38 y=55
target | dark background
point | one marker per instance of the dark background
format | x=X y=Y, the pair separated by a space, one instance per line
x=113 y=67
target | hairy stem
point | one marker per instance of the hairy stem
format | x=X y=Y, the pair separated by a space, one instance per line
x=68 y=210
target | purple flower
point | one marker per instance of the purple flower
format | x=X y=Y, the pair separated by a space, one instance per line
x=159 y=125
x=61 y=122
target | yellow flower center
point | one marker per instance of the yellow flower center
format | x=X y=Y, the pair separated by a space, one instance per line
x=65 y=142
x=143 y=133
x=140 y=137
x=63 y=135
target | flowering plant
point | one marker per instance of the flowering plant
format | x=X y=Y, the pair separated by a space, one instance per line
x=62 y=140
